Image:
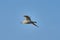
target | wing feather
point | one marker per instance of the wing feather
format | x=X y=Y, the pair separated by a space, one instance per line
x=27 y=17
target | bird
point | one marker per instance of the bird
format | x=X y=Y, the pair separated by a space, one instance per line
x=29 y=21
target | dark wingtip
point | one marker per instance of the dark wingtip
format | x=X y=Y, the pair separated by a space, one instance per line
x=25 y=16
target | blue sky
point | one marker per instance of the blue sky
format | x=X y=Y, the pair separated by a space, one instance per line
x=45 y=12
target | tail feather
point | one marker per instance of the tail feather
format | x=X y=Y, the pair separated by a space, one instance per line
x=35 y=24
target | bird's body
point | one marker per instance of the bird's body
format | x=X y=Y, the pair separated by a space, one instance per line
x=29 y=21
x=26 y=22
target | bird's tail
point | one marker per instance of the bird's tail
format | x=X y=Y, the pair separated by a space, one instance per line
x=34 y=21
x=35 y=24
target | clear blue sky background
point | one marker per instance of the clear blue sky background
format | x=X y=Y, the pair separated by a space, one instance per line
x=45 y=12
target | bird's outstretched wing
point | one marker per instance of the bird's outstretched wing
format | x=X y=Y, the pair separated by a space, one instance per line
x=27 y=17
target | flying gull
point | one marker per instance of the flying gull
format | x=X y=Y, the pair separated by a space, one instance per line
x=29 y=21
